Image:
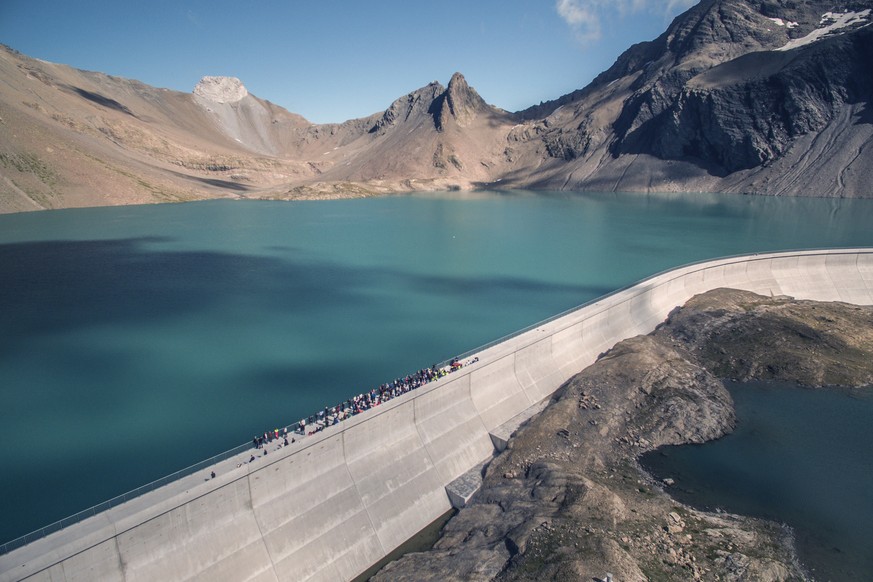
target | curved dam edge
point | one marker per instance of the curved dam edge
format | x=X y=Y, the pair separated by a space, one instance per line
x=331 y=505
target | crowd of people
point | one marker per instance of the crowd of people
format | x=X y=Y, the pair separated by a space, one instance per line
x=332 y=415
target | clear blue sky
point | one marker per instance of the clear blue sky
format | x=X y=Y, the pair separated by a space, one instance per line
x=331 y=61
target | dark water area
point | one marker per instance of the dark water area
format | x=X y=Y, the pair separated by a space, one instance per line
x=798 y=456
x=136 y=341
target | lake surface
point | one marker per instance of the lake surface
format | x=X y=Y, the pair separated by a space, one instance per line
x=798 y=456
x=135 y=341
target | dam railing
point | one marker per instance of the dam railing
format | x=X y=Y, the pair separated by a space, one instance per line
x=118 y=500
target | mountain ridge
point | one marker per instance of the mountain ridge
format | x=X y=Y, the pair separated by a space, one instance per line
x=759 y=96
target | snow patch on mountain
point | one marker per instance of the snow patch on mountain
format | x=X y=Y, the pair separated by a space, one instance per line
x=831 y=23
x=786 y=23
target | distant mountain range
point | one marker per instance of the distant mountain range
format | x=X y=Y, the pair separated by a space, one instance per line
x=747 y=96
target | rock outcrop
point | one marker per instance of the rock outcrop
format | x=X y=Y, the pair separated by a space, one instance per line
x=416 y=104
x=567 y=500
x=743 y=336
x=221 y=89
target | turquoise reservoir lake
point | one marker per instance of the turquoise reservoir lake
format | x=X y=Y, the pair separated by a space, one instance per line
x=135 y=341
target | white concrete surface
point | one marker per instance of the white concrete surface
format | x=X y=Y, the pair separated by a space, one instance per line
x=328 y=507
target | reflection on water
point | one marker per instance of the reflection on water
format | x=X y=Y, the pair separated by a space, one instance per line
x=135 y=341
x=798 y=456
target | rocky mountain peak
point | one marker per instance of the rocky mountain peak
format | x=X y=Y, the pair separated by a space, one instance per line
x=409 y=106
x=457 y=104
x=221 y=89
x=460 y=103
x=458 y=86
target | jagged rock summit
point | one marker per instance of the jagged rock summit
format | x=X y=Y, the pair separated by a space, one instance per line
x=458 y=103
x=221 y=89
x=461 y=103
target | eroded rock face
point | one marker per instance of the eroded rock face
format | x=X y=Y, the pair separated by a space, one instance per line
x=729 y=95
x=221 y=89
x=734 y=96
x=567 y=500
x=740 y=120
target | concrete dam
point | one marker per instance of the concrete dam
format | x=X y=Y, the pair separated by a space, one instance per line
x=333 y=504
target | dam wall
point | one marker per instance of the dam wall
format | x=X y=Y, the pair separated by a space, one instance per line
x=333 y=504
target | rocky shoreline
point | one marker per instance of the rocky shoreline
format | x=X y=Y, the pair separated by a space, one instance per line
x=568 y=500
